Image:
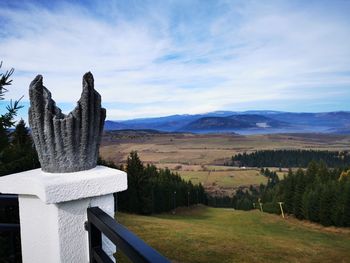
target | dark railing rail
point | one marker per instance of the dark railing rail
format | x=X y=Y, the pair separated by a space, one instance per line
x=11 y=229
x=6 y=201
x=131 y=245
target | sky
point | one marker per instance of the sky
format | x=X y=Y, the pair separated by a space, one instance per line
x=158 y=58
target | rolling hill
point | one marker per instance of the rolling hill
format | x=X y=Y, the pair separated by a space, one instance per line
x=233 y=123
x=249 y=122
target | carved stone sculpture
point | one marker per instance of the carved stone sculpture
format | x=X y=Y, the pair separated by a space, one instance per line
x=66 y=143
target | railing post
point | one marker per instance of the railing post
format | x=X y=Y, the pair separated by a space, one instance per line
x=10 y=226
x=53 y=209
x=95 y=241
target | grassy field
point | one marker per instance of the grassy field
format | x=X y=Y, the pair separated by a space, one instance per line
x=224 y=181
x=228 y=178
x=224 y=235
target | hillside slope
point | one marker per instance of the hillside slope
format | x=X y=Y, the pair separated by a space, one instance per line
x=224 y=235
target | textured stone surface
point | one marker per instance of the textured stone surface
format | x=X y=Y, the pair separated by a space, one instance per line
x=66 y=143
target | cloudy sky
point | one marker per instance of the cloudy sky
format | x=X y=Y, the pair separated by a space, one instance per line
x=156 y=58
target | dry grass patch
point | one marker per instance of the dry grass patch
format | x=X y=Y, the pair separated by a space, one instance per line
x=208 y=148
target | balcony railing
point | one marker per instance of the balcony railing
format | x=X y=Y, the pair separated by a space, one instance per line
x=10 y=231
x=98 y=222
x=132 y=246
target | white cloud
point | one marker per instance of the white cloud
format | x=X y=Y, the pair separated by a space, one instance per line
x=248 y=52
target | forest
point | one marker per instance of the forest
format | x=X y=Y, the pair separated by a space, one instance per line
x=318 y=194
x=290 y=158
x=152 y=190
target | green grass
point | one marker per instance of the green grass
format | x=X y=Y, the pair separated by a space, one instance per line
x=224 y=235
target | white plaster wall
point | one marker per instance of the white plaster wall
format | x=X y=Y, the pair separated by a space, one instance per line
x=74 y=246
x=53 y=210
x=56 y=233
x=39 y=230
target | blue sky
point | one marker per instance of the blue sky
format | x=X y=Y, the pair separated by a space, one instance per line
x=156 y=58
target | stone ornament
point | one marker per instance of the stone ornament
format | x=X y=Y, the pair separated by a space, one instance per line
x=66 y=143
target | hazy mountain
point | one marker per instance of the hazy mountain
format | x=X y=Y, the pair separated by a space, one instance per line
x=168 y=123
x=242 y=122
x=233 y=123
x=114 y=125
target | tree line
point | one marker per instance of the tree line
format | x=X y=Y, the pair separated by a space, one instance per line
x=290 y=158
x=318 y=194
x=152 y=190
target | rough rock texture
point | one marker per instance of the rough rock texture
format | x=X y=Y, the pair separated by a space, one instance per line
x=66 y=143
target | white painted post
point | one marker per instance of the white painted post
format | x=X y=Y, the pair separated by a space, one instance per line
x=281 y=203
x=53 y=210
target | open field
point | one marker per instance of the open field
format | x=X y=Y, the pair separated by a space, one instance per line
x=199 y=149
x=225 y=178
x=200 y=157
x=224 y=235
x=226 y=181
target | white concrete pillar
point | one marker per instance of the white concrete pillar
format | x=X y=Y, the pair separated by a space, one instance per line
x=53 y=209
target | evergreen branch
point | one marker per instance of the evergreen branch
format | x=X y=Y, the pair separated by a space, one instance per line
x=6 y=120
x=5 y=81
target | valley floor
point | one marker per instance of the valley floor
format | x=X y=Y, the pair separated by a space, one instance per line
x=204 y=234
x=200 y=157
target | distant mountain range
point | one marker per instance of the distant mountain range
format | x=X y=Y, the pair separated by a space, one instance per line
x=247 y=122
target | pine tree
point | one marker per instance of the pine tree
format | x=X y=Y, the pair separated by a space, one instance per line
x=288 y=193
x=21 y=137
x=136 y=181
x=298 y=195
x=305 y=204
x=326 y=204
x=311 y=172
x=20 y=155
x=346 y=209
x=17 y=152
x=7 y=119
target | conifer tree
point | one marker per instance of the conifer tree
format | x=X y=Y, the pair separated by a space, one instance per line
x=6 y=120
x=136 y=180
x=298 y=195
x=327 y=204
x=20 y=155
x=288 y=193
x=17 y=152
x=346 y=209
